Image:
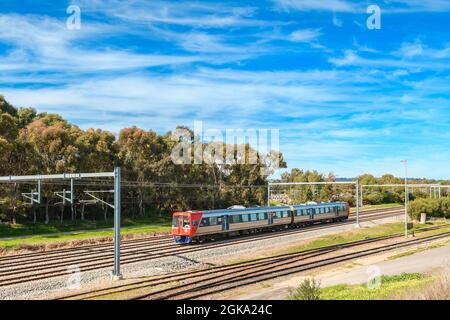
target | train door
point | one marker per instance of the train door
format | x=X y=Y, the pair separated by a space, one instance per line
x=184 y=224
x=270 y=217
x=311 y=213
x=225 y=223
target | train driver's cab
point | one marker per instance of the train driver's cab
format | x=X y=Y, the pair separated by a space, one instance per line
x=185 y=224
x=180 y=223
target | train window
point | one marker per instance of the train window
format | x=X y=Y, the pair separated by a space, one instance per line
x=261 y=216
x=213 y=221
x=204 y=222
x=236 y=219
x=327 y=210
x=279 y=215
x=253 y=217
x=194 y=223
x=244 y=218
x=175 y=221
x=285 y=214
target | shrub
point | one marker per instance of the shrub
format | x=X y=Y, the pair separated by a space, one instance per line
x=309 y=289
x=432 y=207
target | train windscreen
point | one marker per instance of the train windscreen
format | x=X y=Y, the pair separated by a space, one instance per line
x=175 y=221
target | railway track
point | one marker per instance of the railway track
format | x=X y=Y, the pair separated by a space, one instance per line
x=36 y=266
x=201 y=283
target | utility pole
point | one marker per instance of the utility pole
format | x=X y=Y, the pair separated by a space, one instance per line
x=357 y=203
x=406 y=196
x=116 y=272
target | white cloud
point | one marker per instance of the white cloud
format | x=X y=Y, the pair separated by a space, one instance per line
x=418 y=49
x=432 y=61
x=410 y=50
x=314 y=5
x=182 y=13
x=414 y=6
x=304 y=35
x=45 y=44
x=359 y=7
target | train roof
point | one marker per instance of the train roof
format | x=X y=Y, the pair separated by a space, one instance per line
x=221 y=212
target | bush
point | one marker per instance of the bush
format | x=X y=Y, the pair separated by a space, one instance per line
x=432 y=207
x=309 y=289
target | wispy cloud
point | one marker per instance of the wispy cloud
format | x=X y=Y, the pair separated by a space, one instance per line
x=313 y=5
x=46 y=44
x=352 y=58
x=182 y=13
x=345 y=99
x=304 y=35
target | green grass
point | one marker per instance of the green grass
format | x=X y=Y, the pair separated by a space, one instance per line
x=78 y=235
x=357 y=234
x=377 y=206
x=20 y=230
x=360 y=234
x=390 y=285
x=28 y=234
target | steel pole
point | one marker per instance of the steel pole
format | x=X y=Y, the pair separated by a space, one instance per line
x=361 y=202
x=357 y=203
x=116 y=272
x=39 y=191
x=406 y=197
x=268 y=194
x=72 y=212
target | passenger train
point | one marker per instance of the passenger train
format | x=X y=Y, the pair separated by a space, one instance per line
x=212 y=224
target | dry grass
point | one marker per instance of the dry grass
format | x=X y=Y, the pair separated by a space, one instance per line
x=437 y=290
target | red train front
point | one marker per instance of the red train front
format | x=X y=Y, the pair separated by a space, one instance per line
x=184 y=225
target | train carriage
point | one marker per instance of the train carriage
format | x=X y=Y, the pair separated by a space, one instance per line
x=202 y=225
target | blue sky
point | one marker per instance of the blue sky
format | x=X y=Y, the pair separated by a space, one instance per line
x=346 y=99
